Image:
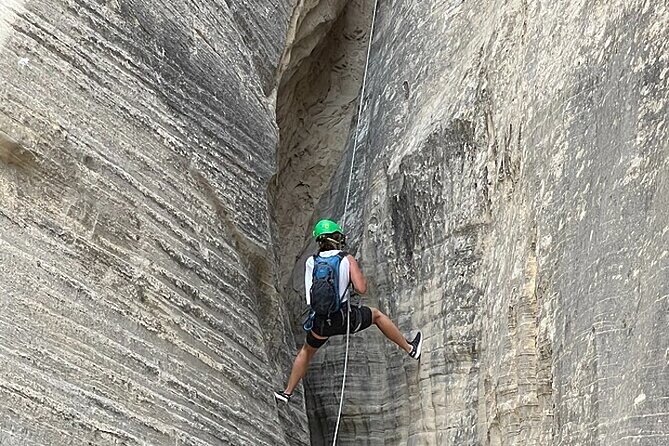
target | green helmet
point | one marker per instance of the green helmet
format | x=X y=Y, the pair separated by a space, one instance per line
x=326 y=227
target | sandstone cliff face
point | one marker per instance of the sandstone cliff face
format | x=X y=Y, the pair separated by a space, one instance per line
x=137 y=292
x=317 y=99
x=511 y=200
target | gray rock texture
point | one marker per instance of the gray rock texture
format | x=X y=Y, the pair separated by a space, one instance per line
x=161 y=163
x=511 y=199
x=316 y=102
x=137 y=296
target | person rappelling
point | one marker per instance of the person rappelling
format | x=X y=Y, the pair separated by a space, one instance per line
x=328 y=276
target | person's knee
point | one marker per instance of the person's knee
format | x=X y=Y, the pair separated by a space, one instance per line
x=314 y=342
x=376 y=315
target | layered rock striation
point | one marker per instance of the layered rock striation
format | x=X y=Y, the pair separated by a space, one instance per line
x=161 y=164
x=510 y=199
x=138 y=300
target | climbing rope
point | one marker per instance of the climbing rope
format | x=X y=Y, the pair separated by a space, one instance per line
x=348 y=194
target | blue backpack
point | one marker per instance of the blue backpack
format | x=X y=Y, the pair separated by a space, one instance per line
x=325 y=296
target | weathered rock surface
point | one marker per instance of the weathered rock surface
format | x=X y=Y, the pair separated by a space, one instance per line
x=138 y=301
x=511 y=200
x=316 y=102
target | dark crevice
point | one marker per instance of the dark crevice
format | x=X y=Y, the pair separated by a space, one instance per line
x=317 y=100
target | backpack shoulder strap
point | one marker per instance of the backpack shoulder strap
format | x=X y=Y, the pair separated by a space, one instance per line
x=342 y=255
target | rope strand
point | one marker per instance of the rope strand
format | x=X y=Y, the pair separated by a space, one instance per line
x=348 y=193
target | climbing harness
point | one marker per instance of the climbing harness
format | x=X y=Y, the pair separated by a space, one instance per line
x=348 y=192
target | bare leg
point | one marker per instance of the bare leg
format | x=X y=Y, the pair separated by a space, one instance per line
x=300 y=365
x=389 y=329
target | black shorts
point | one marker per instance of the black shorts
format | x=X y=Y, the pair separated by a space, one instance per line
x=361 y=318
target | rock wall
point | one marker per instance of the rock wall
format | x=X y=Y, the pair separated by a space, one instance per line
x=317 y=100
x=511 y=200
x=138 y=299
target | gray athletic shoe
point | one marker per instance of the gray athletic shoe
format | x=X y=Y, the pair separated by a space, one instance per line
x=416 y=346
x=282 y=397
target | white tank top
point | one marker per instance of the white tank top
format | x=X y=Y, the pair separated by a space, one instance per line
x=344 y=275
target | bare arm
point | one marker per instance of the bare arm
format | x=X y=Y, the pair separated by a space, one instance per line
x=357 y=278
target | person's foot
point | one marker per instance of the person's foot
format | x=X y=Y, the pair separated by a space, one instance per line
x=282 y=397
x=416 y=346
